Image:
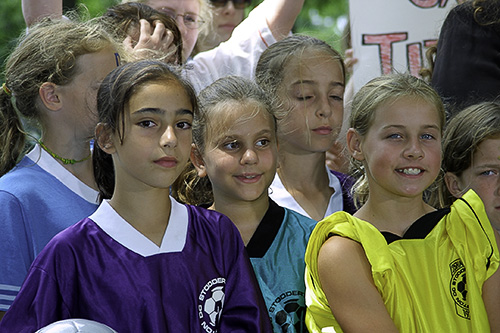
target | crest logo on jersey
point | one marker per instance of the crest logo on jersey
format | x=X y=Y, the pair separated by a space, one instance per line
x=210 y=304
x=288 y=311
x=458 y=288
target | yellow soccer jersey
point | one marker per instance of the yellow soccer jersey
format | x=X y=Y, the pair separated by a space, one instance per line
x=420 y=276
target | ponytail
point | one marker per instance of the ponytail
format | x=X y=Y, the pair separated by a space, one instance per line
x=104 y=173
x=12 y=134
x=191 y=189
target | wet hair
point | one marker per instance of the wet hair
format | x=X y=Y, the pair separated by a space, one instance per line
x=114 y=95
x=462 y=136
x=273 y=63
x=48 y=53
x=122 y=18
x=220 y=96
x=376 y=93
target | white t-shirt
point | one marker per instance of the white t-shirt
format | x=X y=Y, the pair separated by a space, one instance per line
x=237 y=56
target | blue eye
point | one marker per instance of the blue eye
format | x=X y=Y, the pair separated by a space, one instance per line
x=394 y=136
x=489 y=173
x=427 y=136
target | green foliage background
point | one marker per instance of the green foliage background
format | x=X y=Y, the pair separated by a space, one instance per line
x=319 y=18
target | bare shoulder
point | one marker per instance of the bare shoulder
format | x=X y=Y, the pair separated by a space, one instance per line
x=341 y=250
x=343 y=262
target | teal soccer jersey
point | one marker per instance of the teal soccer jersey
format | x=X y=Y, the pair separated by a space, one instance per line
x=277 y=251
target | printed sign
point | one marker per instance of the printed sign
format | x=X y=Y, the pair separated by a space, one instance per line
x=393 y=35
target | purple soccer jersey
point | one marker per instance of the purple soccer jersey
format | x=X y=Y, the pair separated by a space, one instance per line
x=198 y=280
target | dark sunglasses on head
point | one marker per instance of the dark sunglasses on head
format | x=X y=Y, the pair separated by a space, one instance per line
x=238 y=4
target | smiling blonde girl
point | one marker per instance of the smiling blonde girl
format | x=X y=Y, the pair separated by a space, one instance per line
x=398 y=264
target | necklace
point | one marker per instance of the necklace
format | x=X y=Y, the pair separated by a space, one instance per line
x=62 y=159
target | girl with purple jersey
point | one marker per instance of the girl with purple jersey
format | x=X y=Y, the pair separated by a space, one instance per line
x=143 y=262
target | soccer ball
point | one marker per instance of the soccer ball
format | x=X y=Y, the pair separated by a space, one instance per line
x=75 y=326
x=214 y=304
x=291 y=316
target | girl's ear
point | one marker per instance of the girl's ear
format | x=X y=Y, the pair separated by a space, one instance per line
x=49 y=97
x=453 y=184
x=354 y=144
x=197 y=161
x=104 y=138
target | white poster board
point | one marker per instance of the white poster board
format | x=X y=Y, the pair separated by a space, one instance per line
x=393 y=35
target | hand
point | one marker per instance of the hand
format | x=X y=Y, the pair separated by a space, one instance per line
x=336 y=158
x=349 y=60
x=154 y=42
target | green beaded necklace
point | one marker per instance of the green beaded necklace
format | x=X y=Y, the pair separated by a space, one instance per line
x=62 y=159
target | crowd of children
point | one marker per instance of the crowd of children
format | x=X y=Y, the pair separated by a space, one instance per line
x=146 y=190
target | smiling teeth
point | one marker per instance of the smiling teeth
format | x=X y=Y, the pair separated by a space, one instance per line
x=411 y=171
x=249 y=177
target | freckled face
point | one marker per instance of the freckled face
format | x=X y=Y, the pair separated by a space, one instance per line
x=401 y=151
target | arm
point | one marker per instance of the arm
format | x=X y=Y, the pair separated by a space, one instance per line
x=16 y=258
x=38 y=304
x=491 y=297
x=281 y=15
x=346 y=279
x=268 y=22
x=34 y=10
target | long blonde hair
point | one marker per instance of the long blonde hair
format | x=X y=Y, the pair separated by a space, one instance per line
x=47 y=54
x=372 y=95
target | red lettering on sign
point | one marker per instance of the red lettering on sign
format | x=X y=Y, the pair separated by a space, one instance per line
x=429 y=3
x=384 y=42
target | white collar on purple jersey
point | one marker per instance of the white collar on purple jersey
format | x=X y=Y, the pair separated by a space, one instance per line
x=50 y=165
x=122 y=232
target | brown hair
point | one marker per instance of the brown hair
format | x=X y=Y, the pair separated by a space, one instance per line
x=112 y=98
x=122 y=18
x=220 y=95
x=462 y=136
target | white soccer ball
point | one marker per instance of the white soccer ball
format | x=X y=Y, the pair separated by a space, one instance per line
x=214 y=304
x=76 y=325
